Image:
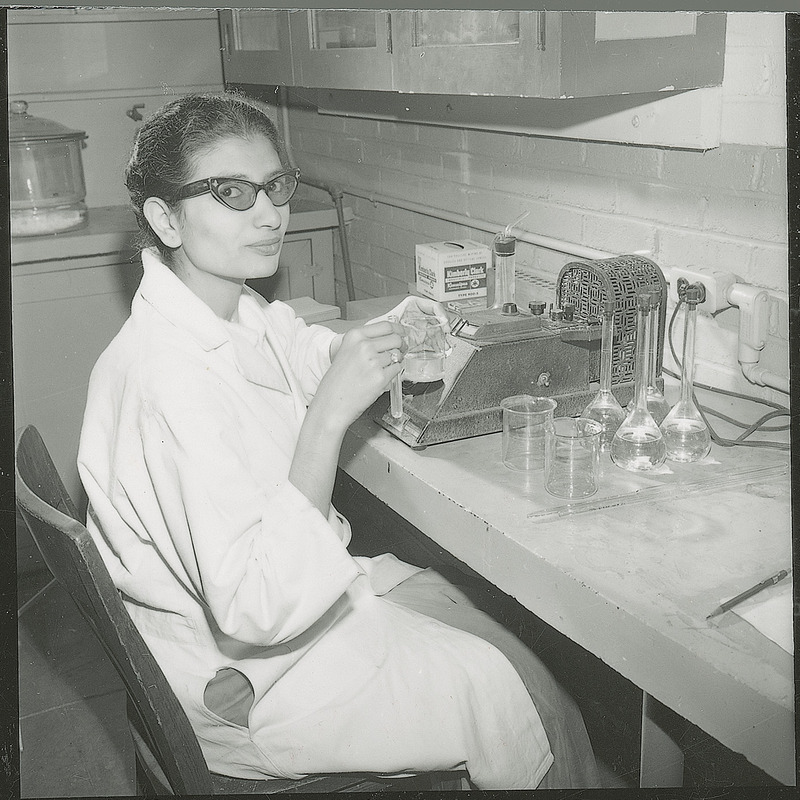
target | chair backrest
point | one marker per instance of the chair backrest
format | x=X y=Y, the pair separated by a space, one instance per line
x=167 y=748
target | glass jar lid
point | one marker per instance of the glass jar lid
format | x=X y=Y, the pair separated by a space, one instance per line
x=24 y=127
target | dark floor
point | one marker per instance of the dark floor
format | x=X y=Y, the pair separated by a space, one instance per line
x=74 y=740
x=72 y=729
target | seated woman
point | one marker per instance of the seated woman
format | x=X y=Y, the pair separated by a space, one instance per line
x=209 y=450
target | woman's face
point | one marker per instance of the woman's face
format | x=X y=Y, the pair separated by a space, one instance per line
x=218 y=242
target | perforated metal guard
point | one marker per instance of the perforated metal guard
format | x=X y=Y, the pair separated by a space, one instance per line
x=587 y=285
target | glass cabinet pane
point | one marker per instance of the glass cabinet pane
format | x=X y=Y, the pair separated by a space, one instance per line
x=447 y=28
x=255 y=29
x=338 y=30
x=255 y=46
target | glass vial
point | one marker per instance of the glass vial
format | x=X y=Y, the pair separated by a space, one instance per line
x=638 y=444
x=605 y=408
x=504 y=257
x=685 y=432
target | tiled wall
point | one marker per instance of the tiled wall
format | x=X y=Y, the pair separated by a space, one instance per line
x=724 y=208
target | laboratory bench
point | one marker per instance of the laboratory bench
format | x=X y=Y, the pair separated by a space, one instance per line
x=629 y=574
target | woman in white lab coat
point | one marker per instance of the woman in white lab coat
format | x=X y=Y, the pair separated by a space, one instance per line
x=208 y=452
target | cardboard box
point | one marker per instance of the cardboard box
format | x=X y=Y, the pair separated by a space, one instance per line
x=453 y=270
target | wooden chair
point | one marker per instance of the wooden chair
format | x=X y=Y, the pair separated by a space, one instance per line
x=169 y=760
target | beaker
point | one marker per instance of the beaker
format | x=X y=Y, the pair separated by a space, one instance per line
x=526 y=420
x=686 y=435
x=426 y=342
x=638 y=444
x=604 y=407
x=572 y=457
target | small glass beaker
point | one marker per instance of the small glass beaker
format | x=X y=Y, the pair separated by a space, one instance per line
x=526 y=420
x=426 y=340
x=572 y=457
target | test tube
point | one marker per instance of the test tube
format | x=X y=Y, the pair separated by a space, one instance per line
x=396 y=389
x=396 y=396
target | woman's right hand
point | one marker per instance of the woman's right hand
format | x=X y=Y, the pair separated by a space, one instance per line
x=366 y=361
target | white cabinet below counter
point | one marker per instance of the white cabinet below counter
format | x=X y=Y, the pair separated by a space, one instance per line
x=71 y=293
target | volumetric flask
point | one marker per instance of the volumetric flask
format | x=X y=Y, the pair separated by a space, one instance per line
x=605 y=408
x=526 y=420
x=686 y=435
x=657 y=404
x=638 y=444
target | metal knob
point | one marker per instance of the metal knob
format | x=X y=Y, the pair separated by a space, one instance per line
x=537 y=307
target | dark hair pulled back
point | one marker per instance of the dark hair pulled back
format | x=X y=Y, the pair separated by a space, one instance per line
x=169 y=143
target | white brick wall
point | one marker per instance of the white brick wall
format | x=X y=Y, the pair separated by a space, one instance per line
x=725 y=208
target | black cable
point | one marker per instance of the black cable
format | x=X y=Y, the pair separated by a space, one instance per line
x=740 y=441
x=738 y=423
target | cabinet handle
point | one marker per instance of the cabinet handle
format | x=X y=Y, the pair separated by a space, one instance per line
x=541 y=40
x=226 y=39
x=388 y=33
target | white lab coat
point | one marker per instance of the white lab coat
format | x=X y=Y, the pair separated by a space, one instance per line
x=188 y=436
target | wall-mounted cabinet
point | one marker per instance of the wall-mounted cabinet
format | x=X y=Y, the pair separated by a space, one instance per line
x=256 y=41
x=343 y=49
x=505 y=53
x=474 y=52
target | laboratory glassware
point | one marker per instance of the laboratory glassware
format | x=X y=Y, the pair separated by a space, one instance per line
x=46 y=189
x=396 y=386
x=501 y=282
x=604 y=407
x=657 y=404
x=572 y=457
x=638 y=445
x=426 y=340
x=686 y=434
x=526 y=420
x=663 y=492
x=426 y=347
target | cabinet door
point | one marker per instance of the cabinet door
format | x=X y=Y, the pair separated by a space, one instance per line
x=64 y=315
x=472 y=52
x=256 y=46
x=104 y=55
x=606 y=53
x=342 y=49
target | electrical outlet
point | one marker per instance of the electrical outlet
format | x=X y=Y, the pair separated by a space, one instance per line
x=715 y=282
